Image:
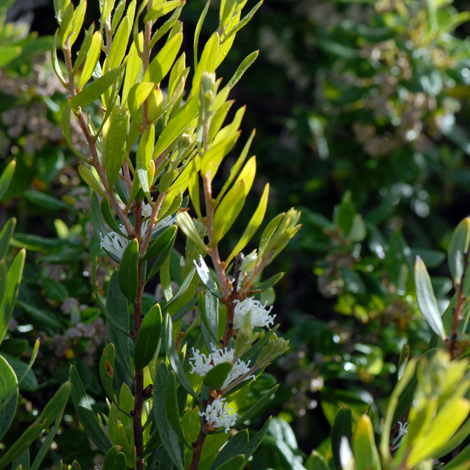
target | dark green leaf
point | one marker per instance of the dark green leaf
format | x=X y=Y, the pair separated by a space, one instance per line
x=236 y=463
x=128 y=271
x=5 y=236
x=148 y=337
x=175 y=360
x=107 y=369
x=115 y=146
x=258 y=406
x=116 y=306
x=8 y=383
x=114 y=459
x=458 y=249
x=46 y=201
x=342 y=427
x=11 y=292
x=51 y=411
x=7 y=175
x=85 y=413
x=162 y=245
x=45 y=446
x=216 y=377
x=167 y=434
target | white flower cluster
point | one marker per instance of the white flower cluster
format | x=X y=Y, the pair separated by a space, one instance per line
x=217 y=415
x=115 y=243
x=202 y=364
x=260 y=315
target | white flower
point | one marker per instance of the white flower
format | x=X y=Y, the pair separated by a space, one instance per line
x=114 y=244
x=217 y=415
x=402 y=431
x=259 y=313
x=201 y=364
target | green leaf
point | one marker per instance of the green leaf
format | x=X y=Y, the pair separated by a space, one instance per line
x=212 y=159
x=316 y=461
x=85 y=413
x=208 y=310
x=364 y=448
x=426 y=299
x=128 y=271
x=163 y=254
x=3 y=278
x=175 y=360
x=65 y=126
x=77 y=21
x=242 y=68
x=158 y=247
x=107 y=369
x=5 y=237
x=160 y=10
x=15 y=273
x=265 y=285
x=93 y=91
x=116 y=306
x=236 y=463
x=54 y=290
x=90 y=179
x=46 y=201
x=8 y=395
x=187 y=226
x=109 y=218
x=115 y=146
x=51 y=411
x=22 y=461
x=458 y=250
x=9 y=53
x=167 y=435
x=171 y=407
x=207 y=62
x=7 y=176
x=205 y=276
x=137 y=96
x=45 y=446
x=462 y=458
x=144 y=155
x=216 y=377
x=114 y=459
x=253 y=225
x=161 y=65
x=97 y=217
x=244 y=21
x=228 y=210
x=27 y=379
x=258 y=406
x=342 y=427
x=119 y=44
x=148 y=337
x=344 y=214
x=93 y=56
x=176 y=126
x=197 y=32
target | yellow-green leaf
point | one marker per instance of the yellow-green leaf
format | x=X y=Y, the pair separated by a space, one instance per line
x=91 y=60
x=207 y=62
x=119 y=44
x=115 y=146
x=364 y=448
x=90 y=179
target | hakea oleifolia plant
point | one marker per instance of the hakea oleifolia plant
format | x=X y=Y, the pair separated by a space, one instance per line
x=148 y=148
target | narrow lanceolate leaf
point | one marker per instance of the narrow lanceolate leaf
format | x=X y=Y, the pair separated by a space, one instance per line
x=161 y=10
x=258 y=406
x=207 y=62
x=186 y=224
x=11 y=291
x=236 y=463
x=171 y=407
x=144 y=155
x=242 y=68
x=115 y=146
x=458 y=250
x=175 y=360
x=65 y=126
x=6 y=177
x=161 y=65
x=253 y=225
x=198 y=32
x=8 y=383
x=426 y=299
x=116 y=307
x=44 y=449
x=128 y=271
x=51 y=411
x=168 y=436
x=365 y=450
x=148 y=338
x=5 y=236
x=93 y=91
x=341 y=427
x=91 y=60
x=90 y=179
x=107 y=369
x=119 y=44
x=228 y=210
x=85 y=413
